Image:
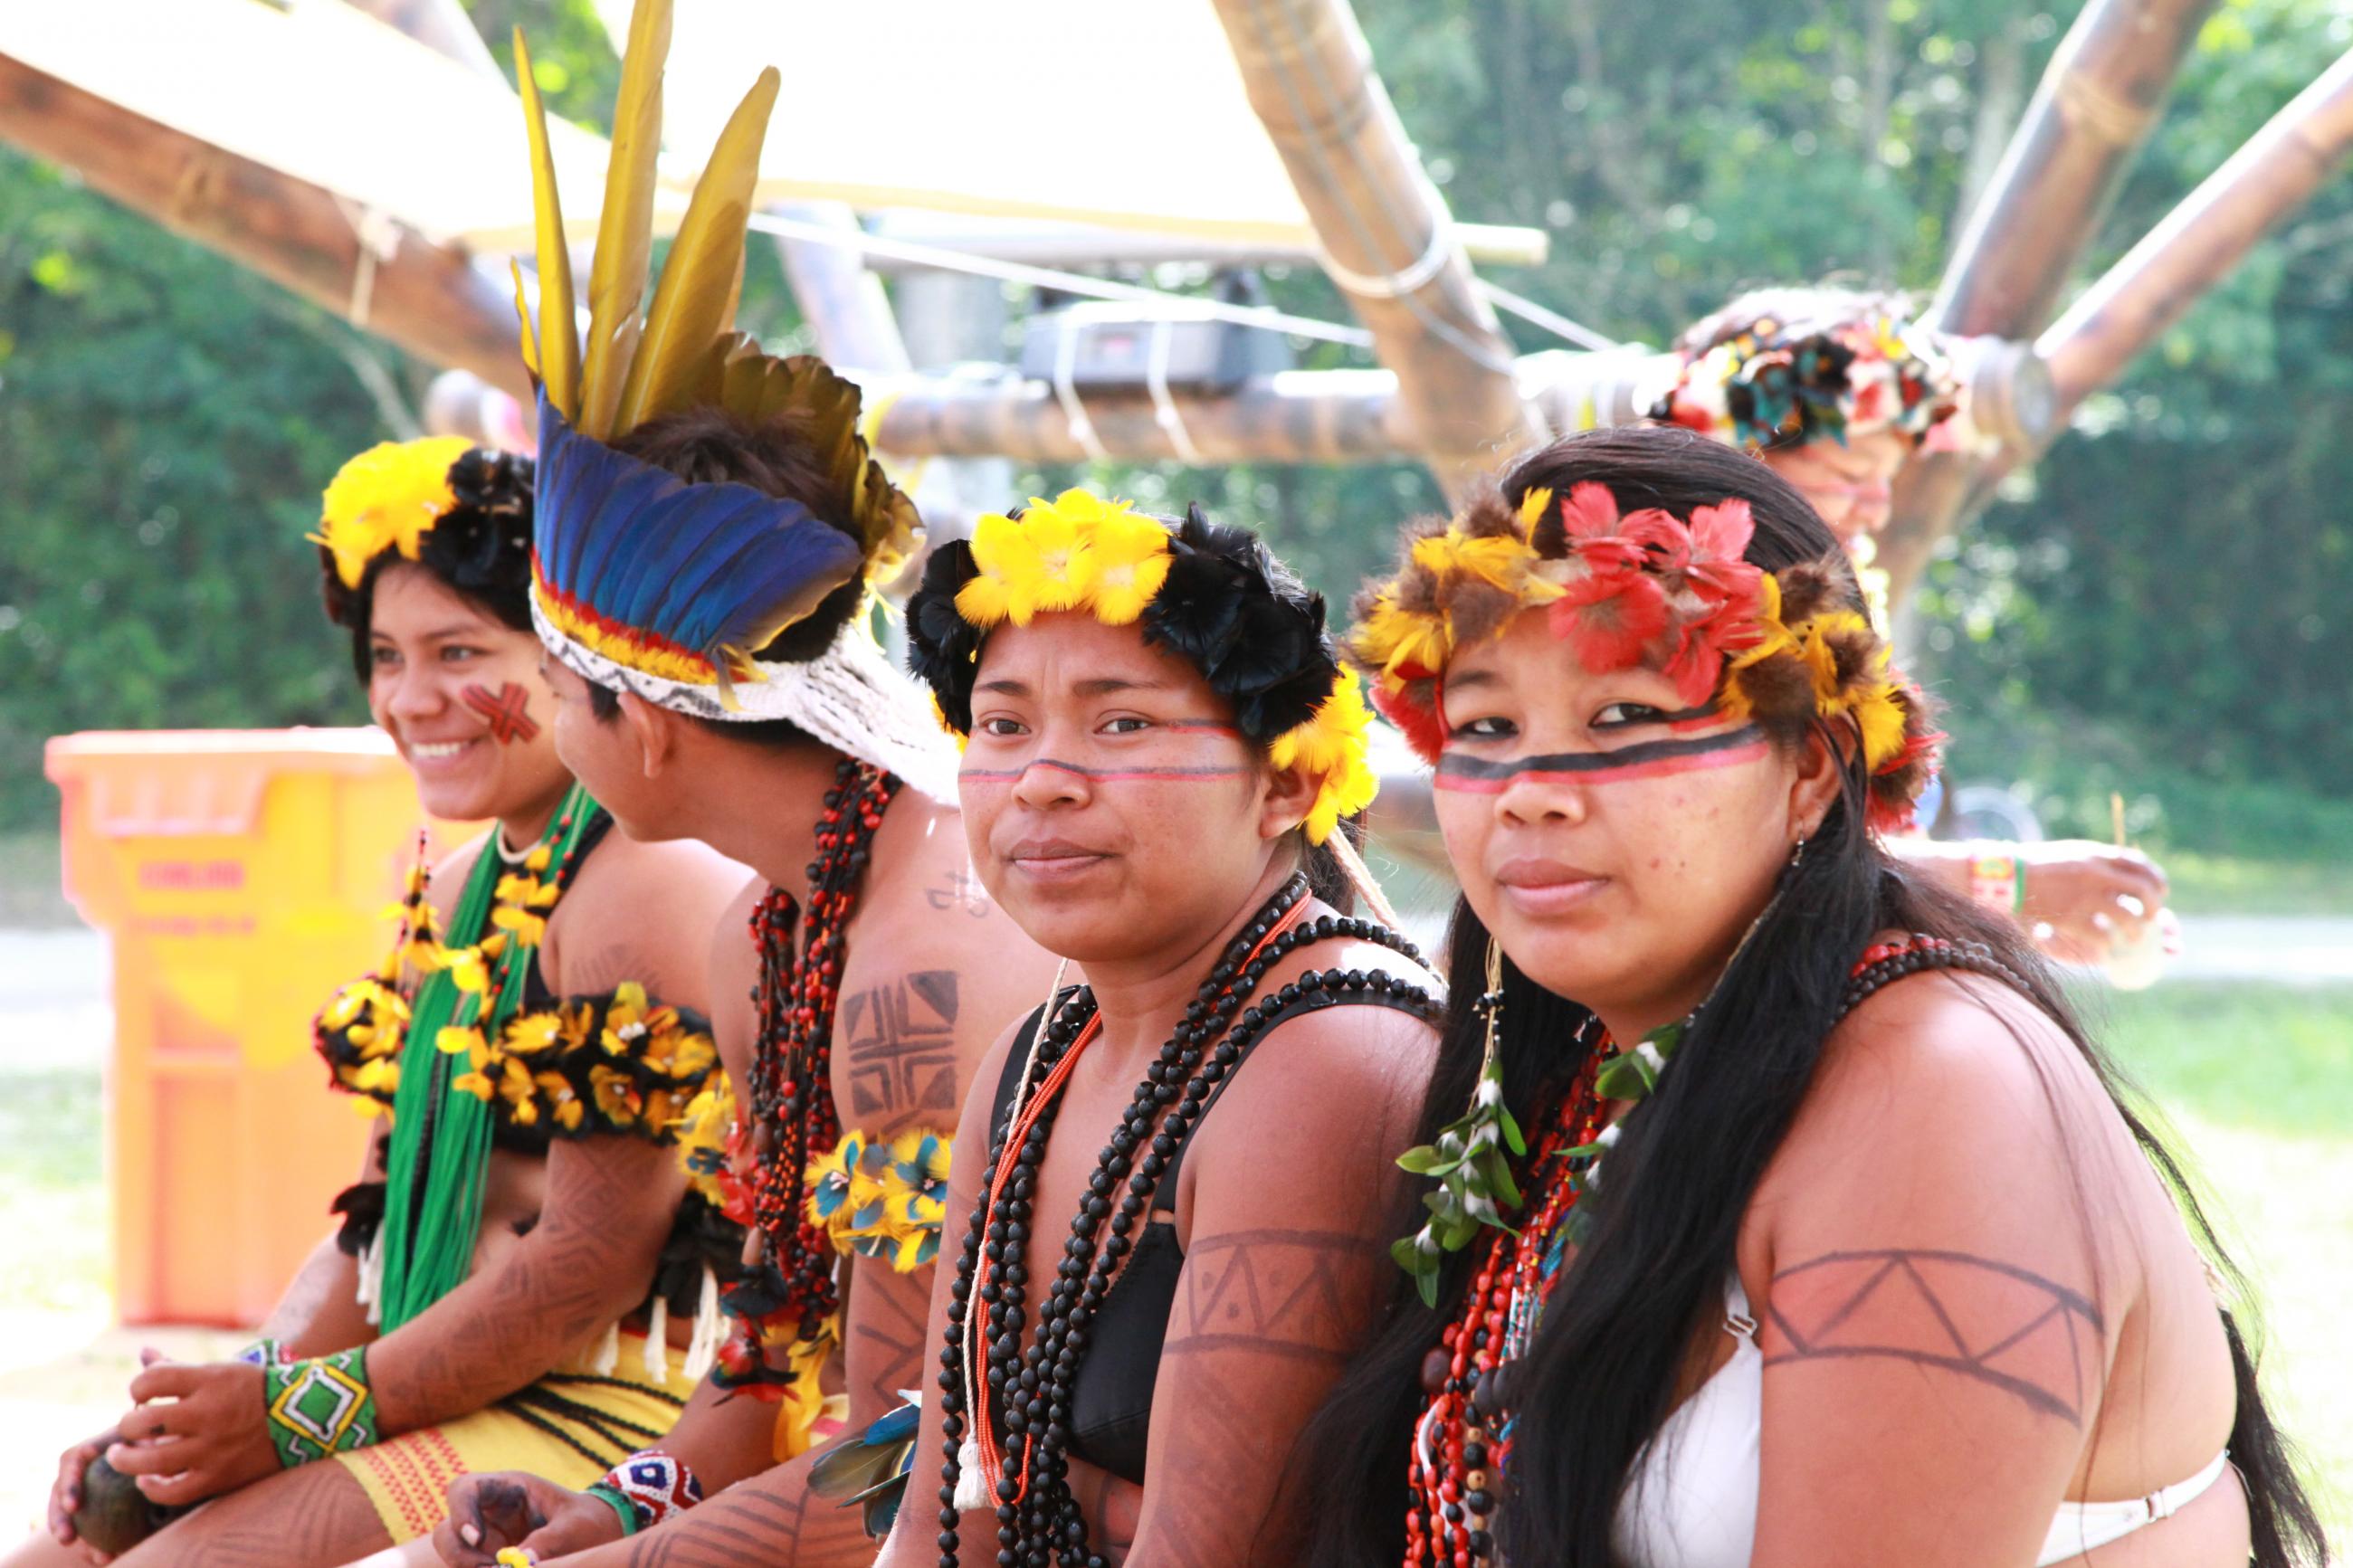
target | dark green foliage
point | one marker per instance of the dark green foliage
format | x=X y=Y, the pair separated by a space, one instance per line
x=166 y=424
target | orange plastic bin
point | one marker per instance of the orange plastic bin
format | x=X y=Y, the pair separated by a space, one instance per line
x=242 y=876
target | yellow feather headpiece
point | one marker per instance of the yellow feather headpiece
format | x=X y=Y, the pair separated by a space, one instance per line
x=387 y=498
x=684 y=352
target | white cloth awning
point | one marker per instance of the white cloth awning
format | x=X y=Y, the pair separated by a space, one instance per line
x=1122 y=113
x=316 y=91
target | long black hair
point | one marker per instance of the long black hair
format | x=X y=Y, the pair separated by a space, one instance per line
x=1601 y=1371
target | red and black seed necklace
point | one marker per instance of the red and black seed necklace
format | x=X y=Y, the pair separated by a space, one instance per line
x=791 y=1109
x=1462 y=1442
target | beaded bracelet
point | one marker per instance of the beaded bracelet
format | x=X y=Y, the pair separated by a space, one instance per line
x=1998 y=881
x=264 y=1352
x=319 y=1406
x=649 y=1487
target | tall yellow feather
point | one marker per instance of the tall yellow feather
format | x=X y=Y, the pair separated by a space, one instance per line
x=559 y=332
x=617 y=282
x=694 y=303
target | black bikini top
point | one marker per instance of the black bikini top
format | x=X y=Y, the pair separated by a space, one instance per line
x=1111 y=1414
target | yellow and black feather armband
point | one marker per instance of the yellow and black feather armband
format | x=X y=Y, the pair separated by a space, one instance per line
x=883 y=1200
x=358 y=1033
x=615 y=1063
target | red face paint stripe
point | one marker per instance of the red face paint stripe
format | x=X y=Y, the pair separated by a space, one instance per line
x=1654 y=759
x=1100 y=776
x=1202 y=727
x=1693 y=718
x=507 y=710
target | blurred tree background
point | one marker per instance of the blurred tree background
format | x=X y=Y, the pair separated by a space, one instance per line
x=2154 y=610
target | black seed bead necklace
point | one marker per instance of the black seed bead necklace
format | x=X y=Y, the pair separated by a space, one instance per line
x=1040 y=1522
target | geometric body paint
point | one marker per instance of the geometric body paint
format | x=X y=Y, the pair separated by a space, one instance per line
x=1991 y=1322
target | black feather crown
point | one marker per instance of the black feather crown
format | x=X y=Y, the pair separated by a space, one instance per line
x=1210 y=592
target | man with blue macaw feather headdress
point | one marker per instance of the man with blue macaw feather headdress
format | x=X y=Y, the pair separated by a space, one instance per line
x=710 y=534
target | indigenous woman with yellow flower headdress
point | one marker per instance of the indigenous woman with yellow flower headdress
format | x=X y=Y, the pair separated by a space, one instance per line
x=1779 y=1211
x=517 y=1277
x=1169 y=1186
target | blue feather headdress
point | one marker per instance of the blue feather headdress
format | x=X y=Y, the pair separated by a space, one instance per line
x=680 y=582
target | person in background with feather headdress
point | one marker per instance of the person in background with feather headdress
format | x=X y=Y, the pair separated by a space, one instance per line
x=1835 y=394
x=711 y=532
x=499 y=1291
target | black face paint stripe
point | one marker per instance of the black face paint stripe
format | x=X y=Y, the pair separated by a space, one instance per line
x=1647 y=759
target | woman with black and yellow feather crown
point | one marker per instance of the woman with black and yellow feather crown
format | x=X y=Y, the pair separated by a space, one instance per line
x=517 y=1280
x=710 y=530
x=1161 y=757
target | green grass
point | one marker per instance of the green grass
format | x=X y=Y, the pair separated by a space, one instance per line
x=2255 y=1086
x=2231 y=884
x=53 y=1214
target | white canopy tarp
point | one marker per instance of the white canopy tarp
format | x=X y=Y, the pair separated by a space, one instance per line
x=1126 y=113
x=316 y=91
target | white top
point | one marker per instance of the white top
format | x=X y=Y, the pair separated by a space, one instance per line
x=1692 y=1501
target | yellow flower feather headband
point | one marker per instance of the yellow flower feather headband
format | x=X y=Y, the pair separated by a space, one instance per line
x=462 y=511
x=387 y=498
x=1210 y=592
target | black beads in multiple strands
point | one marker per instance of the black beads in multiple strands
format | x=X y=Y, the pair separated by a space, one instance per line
x=1039 y=1525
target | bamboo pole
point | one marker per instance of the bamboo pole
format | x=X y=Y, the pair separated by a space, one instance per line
x=843 y=300
x=2098 y=101
x=1386 y=236
x=2204 y=238
x=1300 y=417
x=2191 y=250
x=426 y=299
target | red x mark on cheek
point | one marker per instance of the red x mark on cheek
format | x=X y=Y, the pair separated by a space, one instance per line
x=510 y=719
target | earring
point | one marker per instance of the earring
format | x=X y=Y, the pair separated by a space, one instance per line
x=1798 y=854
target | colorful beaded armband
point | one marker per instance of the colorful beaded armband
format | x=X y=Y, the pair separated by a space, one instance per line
x=647 y=1487
x=319 y=1406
